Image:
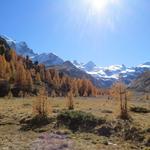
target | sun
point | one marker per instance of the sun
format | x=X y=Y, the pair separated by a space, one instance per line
x=100 y=6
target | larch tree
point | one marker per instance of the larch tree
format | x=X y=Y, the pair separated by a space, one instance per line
x=38 y=78
x=48 y=77
x=120 y=93
x=3 y=64
x=8 y=71
x=20 y=78
x=75 y=88
x=29 y=82
x=70 y=101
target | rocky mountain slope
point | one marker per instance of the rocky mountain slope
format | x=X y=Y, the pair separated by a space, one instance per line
x=71 y=70
x=142 y=83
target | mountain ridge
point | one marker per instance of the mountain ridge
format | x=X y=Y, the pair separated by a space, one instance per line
x=106 y=75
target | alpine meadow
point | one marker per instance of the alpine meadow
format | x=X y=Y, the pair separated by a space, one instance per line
x=75 y=75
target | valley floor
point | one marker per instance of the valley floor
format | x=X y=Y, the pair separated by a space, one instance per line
x=13 y=138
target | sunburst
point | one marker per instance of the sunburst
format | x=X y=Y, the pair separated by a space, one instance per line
x=100 y=6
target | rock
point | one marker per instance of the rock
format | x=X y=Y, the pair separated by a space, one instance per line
x=105 y=131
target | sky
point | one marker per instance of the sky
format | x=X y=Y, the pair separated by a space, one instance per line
x=106 y=32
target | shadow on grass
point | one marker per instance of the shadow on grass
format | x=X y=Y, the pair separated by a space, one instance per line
x=139 y=109
x=78 y=121
x=37 y=121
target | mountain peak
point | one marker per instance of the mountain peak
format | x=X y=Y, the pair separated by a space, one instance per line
x=49 y=59
x=89 y=66
x=76 y=63
x=90 y=63
x=147 y=63
x=8 y=39
x=123 y=66
x=68 y=63
x=22 y=43
x=20 y=47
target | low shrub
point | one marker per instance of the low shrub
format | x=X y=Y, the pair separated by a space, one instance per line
x=78 y=120
x=34 y=122
x=133 y=134
x=104 y=130
x=148 y=130
x=139 y=109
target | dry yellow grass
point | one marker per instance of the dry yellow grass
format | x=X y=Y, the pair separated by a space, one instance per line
x=13 y=110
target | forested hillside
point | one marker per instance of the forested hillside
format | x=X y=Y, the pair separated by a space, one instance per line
x=20 y=76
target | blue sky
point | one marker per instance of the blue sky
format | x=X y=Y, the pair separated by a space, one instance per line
x=106 y=31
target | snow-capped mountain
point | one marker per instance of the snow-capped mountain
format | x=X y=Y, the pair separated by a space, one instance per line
x=114 y=72
x=101 y=72
x=105 y=75
x=23 y=49
x=49 y=59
